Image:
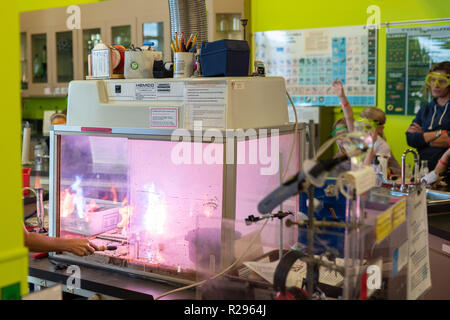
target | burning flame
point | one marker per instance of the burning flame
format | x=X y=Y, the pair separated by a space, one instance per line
x=71 y=202
x=37 y=183
x=75 y=201
x=126 y=212
x=155 y=216
x=114 y=194
x=67 y=204
x=92 y=206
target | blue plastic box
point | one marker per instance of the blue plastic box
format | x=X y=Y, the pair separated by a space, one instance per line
x=333 y=237
x=225 y=58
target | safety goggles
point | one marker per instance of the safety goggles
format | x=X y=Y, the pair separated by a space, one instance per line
x=437 y=79
x=368 y=124
x=337 y=129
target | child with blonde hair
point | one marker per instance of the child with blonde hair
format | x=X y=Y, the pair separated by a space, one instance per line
x=376 y=119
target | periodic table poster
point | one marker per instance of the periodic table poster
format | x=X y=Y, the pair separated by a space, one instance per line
x=410 y=53
x=311 y=59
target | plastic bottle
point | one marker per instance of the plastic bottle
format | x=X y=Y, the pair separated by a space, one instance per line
x=378 y=172
x=424 y=168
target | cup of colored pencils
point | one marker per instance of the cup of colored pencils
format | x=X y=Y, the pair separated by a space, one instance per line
x=183 y=55
x=179 y=43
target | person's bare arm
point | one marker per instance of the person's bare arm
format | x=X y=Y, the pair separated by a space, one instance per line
x=369 y=157
x=442 y=163
x=41 y=243
x=440 y=168
x=345 y=105
x=371 y=153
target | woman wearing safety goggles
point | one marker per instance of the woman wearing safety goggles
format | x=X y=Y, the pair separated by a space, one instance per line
x=428 y=132
x=437 y=80
x=371 y=119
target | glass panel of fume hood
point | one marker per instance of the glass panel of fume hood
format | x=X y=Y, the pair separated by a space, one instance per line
x=258 y=172
x=121 y=35
x=139 y=196
x=39 y=58
x=91 y=37
x=154 y=32
x=168 y=198
x=93 y=185
x=64 y=56
x=23 y=61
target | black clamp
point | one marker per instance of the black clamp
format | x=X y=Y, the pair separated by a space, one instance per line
x=280 y=215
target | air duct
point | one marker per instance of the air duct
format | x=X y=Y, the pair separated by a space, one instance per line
x=189 y=16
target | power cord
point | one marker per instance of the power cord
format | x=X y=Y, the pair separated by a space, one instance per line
x=31 y=189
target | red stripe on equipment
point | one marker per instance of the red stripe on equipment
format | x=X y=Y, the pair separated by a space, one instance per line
x=91 y=129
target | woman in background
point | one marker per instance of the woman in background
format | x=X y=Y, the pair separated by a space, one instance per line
x=376 y=119
x=428 y=131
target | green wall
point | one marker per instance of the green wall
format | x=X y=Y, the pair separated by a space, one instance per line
x=13 y=254
x=269 y=15
x=32 y=5
x=33 y=108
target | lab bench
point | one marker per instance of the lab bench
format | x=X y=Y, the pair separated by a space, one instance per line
x=439 y=244
x=121 y=285
x=109 y=284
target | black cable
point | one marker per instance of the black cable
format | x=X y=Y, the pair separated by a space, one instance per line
x=30 y=215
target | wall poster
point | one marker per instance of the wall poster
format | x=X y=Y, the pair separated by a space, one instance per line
x=410 y=53
x=311 y=59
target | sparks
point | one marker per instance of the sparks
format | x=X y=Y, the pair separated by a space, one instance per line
x=155 y=216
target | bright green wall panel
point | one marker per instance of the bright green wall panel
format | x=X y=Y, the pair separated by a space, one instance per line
x=269 y=15
x=32 y=5
x=33 y=108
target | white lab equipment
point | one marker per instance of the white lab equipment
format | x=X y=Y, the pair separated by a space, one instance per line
x=222 y=103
